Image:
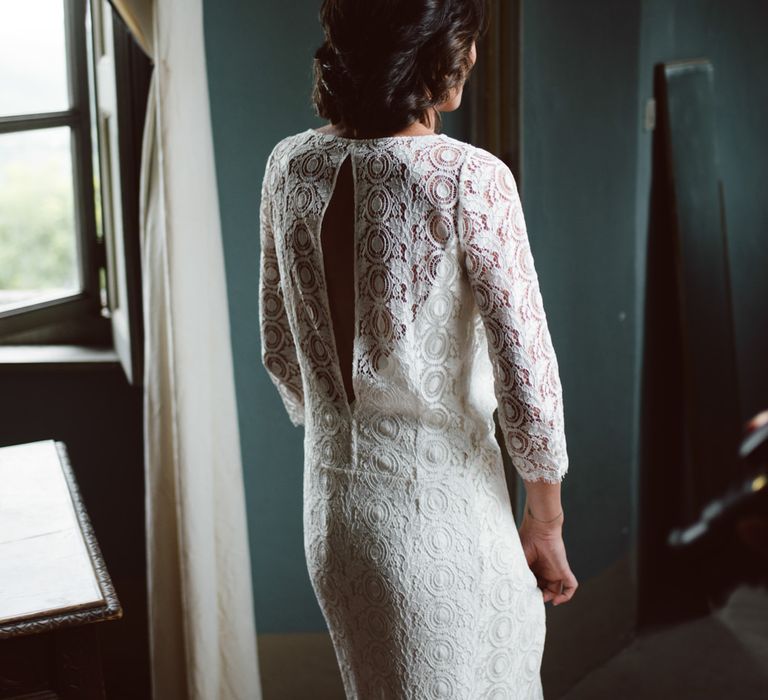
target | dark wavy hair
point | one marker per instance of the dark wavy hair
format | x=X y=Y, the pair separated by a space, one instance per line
x=385 y=64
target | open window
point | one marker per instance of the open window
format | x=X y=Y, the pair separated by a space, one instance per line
x=73 y=93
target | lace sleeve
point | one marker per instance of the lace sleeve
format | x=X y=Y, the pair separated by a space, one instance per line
x=278 y=349
x=501 y=273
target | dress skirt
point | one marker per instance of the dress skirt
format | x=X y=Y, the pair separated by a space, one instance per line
x=424 y=585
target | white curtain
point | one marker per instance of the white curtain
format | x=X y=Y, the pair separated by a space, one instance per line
x=202 y=630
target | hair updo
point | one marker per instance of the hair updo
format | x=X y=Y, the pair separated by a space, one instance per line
x=385 y=63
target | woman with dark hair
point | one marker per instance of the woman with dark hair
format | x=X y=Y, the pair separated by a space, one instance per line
x=399 y=307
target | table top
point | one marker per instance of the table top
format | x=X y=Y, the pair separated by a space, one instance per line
x=51 y=569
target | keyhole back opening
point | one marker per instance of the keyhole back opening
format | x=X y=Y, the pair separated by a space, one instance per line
x=338 y=249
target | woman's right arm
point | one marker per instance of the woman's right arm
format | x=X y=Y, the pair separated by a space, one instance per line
x=501 y=273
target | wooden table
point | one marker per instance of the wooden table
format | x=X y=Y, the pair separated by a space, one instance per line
x=53 y=580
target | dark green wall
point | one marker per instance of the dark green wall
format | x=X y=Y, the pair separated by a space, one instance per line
x=732 y=36
x=580 y=132
x=585 y=185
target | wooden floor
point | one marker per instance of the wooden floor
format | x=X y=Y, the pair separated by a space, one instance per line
x=724 y=655
x=295 y=666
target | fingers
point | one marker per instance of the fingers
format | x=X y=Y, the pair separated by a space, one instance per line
x=559 y=591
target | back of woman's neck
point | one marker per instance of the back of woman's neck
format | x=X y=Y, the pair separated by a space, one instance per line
x=414 y=129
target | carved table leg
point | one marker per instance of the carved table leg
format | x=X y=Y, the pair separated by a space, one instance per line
x=78 y=664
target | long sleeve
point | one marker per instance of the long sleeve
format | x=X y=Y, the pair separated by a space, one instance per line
x=501 y=273
x=278 y=348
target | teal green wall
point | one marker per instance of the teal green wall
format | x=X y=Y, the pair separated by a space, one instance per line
x=586 y=180
x=578 y=189
x=585 y=184
x=259 y=76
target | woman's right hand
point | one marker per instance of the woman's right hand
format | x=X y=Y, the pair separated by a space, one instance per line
x=545 y=553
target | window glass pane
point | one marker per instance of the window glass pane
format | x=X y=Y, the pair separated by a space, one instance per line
x=38 y=249
x=33 y=67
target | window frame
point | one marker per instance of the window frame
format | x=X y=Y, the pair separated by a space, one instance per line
x=78 y=317
x=107 y=313
x=126 y=77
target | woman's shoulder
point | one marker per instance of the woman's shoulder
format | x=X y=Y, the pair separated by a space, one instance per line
x=477 y=159
x=479 y=166
x=483 y=176
x=280 y=156
x=287 y=144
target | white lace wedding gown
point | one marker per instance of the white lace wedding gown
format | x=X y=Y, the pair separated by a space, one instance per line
x=409 y=536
